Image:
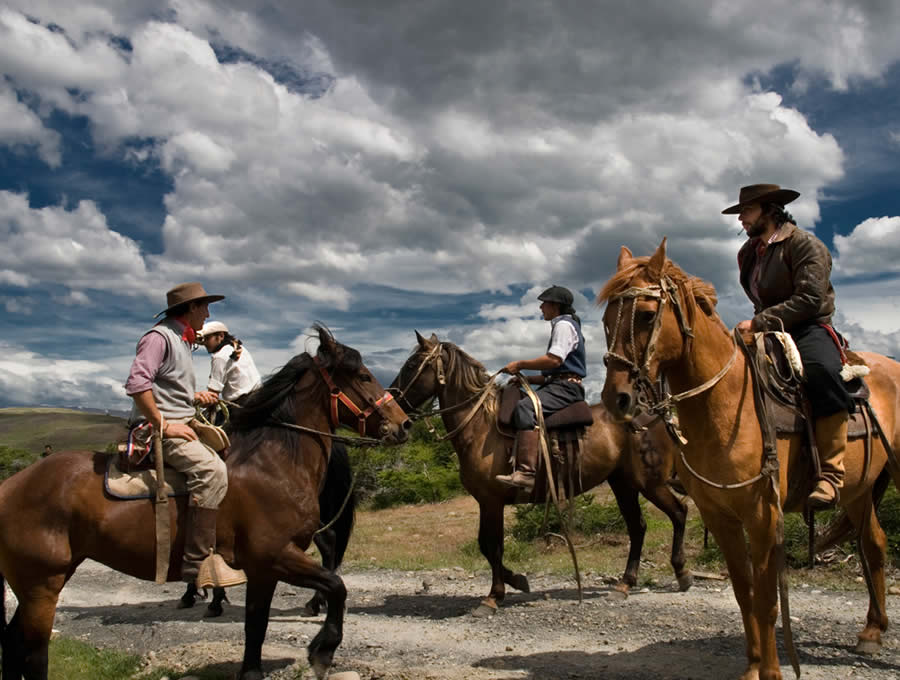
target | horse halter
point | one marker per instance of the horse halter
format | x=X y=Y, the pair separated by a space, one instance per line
x=436 y=354
x=337 y=395
x=654 y=401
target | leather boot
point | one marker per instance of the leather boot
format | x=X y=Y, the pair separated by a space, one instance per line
x=527 y=442
x=201 y=564
x=831 y=439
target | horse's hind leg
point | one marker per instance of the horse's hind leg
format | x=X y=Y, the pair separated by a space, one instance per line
x=325 y=542
x=627 y=500
x=873 y=544
x=295 y=567
x=30 y=631
x=663 y=498
x=13 y=647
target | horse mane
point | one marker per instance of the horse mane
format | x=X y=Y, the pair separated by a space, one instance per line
x=468 y=375
x=276 y=399
x=691 y=288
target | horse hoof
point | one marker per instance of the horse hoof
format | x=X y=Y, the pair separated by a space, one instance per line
x=212 y=612
x=320 y=669
x=251 y=675
x=619 y=593
x=685 y=581
x=486 y=609
x=309 y=611
x=868 y=647
x=520 y=583
x=185 y=603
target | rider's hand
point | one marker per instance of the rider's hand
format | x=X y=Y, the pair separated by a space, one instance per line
x=511 y=367
x=206 y=397
x=179 y=431
x=745 y=326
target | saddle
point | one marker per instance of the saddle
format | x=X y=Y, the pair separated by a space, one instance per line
x=565 y=432
x=778 y=370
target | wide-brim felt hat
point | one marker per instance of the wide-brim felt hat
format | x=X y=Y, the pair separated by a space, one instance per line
x=192 y=291
x=762 y=193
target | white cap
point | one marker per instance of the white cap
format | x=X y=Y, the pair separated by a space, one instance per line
x=211 y=327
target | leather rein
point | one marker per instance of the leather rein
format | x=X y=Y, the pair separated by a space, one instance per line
x=658 y=402
x=338 y=397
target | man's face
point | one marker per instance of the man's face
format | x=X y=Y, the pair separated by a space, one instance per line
x=212 y=341
x=550 y=310
x=197 y=314
x=751 y=217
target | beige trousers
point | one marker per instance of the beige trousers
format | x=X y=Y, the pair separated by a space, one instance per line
x=207 y=478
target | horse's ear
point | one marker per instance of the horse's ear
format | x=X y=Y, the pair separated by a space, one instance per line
x=327 y=343
x=434 y=338
x=625 y=257
x=423 y=343
x=657 y=263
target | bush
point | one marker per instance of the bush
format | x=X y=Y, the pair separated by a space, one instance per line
x=423 y=470
x=13 y=460
x=589 y=518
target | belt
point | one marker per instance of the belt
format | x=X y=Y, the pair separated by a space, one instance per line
x=567 y=377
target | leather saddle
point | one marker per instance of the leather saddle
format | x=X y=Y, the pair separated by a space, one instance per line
x=573 y=416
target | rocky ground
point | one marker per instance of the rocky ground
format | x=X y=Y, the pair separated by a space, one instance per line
x=417 y=625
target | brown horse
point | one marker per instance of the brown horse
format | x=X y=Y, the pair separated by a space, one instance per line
x=55 y=514
x=443 y=370
x=660 y=320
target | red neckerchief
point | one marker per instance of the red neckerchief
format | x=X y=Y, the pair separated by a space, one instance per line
x=188 y=334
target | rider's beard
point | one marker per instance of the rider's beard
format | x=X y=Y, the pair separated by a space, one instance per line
x=758 y=228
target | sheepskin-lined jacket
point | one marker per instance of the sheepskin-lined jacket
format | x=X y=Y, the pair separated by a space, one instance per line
x=794 y=283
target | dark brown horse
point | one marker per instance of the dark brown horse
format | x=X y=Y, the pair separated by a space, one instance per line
x=661 y=320
x=55 y=514
x=628 y=462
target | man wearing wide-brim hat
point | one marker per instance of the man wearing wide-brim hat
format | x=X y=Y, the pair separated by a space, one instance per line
x=786 y=273
x=162 y=385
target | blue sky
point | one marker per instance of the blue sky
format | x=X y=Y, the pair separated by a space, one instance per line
x=427 y=167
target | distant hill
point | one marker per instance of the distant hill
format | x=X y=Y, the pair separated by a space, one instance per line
x=29 y=429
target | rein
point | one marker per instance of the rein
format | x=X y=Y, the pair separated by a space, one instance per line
x=659 y=404
x=435 y=355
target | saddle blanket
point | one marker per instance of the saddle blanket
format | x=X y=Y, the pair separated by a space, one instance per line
x=136 y=484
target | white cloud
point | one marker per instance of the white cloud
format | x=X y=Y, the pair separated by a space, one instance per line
x=20 y=127
x=872 y=247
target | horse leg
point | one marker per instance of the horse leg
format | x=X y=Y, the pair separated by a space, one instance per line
x=873 y=544
x=13 y=646
x=627 y=500
x=490 y=542
x=729 y=535
x=325 y=542
x=215 y=608
x=662 y=497
x=256 y=621
x=33 y=625
x=761 y=533
x=295 y=567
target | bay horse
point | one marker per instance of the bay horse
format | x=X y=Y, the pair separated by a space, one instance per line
x=628 y=462
x=55 y=514
x=661 y=321
x=337 y=512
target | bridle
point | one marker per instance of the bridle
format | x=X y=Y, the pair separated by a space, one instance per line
x=437 y=355
x=338 y=396
x=654 y=398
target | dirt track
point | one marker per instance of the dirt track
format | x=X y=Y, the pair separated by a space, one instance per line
x=412 y=625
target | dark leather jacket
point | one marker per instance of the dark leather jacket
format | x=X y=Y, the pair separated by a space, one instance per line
x=794 y=286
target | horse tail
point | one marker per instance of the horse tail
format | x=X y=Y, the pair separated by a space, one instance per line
x=338 y=489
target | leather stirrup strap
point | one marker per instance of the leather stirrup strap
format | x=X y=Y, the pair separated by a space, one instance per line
x=161 y=504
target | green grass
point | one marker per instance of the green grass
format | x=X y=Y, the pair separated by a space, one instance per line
x=29 y=429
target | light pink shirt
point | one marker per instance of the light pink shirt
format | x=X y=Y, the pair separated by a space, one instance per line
x=151 y=350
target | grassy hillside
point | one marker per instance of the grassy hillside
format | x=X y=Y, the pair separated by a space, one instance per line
x=28 y=429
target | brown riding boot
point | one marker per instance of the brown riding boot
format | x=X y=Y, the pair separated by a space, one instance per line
x=527 y=442
x=831 y=439
x=201 y=563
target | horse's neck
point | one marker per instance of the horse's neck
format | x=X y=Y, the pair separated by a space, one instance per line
x=461 y=402
x=710 y=416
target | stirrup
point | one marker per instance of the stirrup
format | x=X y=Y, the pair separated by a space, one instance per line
x=215 y=572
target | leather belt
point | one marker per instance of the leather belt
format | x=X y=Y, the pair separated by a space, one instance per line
x=568 y=377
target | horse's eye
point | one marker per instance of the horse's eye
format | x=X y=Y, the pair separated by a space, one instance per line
x=365 y=377
x=646 y=315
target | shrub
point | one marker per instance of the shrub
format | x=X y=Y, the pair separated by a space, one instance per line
x=13 y=460
x=423 y=470
x=589 y=518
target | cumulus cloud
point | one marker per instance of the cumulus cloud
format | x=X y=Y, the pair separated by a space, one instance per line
x=447 y=152
x=872 y=247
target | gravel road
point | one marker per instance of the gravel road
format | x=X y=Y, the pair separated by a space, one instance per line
x=416 y=625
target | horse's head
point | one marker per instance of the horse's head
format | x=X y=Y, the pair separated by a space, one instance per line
x=648 y=324
x=421 y=377
x=357 y=398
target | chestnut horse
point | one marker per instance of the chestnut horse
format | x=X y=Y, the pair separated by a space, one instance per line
x=443 y=370
x=661 y=321
x=55 y=514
